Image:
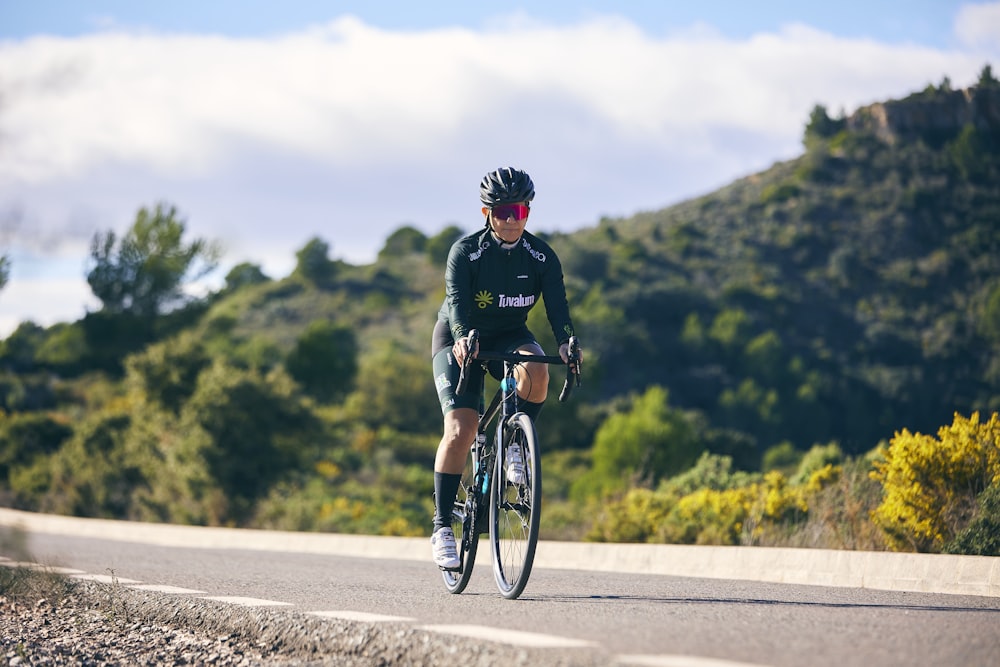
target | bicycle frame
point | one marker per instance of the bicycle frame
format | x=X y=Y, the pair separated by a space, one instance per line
x=513 y=508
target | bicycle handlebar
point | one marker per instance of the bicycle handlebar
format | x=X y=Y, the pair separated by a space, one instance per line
x=573 y=368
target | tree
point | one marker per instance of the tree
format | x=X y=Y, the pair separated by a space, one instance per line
x=986 y=78
x=314 y=262
x=325 y=360
x=439 y=245
x=403 y=241
x=245 y=274
x=18 y=351
x=4 y=270
x=820 y=124
x=989 y=321
x=974 y=154
x=143 y=273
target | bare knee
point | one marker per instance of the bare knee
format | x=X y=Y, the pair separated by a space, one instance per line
x=533 y=384
x=459 y=431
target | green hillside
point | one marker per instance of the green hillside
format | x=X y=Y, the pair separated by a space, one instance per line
x=821 y=305
x=841 y=295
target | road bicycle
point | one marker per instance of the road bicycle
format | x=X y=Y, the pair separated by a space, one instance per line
x=487 y=501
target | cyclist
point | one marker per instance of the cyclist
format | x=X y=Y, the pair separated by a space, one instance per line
x=493 y=278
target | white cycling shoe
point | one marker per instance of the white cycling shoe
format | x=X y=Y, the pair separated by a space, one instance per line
x=444 y=550
x=514 y=465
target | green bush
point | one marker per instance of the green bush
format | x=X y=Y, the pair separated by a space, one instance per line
x=777 y=193
x=166 y=374
x=817 y=458
x=394 y=389
x=93 y=474
x=782 y=456
x=24 y=437
x=982 y=536
x=325 y=360
x=248 y=430
x=649 y=442
x=711 y=471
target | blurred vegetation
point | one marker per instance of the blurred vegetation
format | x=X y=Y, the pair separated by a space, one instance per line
x=22 y=580
x=761 y=362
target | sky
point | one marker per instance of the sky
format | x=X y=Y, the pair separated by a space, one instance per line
x=268 y=124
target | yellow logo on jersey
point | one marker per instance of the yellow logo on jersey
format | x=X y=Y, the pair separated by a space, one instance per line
x=484 y=299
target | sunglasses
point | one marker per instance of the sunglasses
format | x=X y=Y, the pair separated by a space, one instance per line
x=504 y=211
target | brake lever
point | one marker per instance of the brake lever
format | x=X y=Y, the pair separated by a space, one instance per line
x=573 y=368
x=463 y=378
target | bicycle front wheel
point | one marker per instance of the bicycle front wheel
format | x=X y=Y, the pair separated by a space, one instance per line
x=515 y=509
x=463 y=523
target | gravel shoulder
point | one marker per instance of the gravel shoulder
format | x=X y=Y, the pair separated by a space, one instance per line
x=46 y=619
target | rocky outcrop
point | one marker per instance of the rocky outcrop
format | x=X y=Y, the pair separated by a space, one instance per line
x=934 y=112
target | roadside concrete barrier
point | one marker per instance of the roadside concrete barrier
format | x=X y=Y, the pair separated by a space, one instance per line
x=927 y=573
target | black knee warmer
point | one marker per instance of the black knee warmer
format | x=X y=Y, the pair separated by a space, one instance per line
x=531 y=409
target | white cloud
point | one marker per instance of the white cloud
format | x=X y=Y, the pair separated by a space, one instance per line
x=347 y=131
x=350 y=93
x=979 y=26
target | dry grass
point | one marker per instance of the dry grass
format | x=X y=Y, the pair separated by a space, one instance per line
x=23 y=580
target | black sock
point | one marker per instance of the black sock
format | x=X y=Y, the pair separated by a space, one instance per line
x=531 y=409
x=445 y=492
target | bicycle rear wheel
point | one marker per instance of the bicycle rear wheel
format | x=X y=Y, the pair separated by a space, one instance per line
x=515 y=510
x=463 y=522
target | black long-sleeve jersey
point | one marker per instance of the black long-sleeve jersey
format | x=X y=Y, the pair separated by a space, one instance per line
x=491 y=289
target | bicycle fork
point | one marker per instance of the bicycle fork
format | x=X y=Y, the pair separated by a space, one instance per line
x=482 y=459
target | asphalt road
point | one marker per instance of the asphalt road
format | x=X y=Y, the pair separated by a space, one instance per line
x=647 y=619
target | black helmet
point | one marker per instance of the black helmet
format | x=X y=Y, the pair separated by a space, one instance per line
x=506 y=186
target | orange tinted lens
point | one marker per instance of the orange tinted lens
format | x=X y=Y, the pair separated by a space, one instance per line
x=516 y=211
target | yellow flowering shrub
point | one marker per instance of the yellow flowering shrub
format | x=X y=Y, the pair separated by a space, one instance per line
x=930 y=485
x=633 y=518
x=739 y=515
x=781 y=499
x=776 y=505
x=707 y=516
x=823 y=478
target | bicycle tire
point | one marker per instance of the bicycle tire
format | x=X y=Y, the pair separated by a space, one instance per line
x=466 y=533
x=515 y=510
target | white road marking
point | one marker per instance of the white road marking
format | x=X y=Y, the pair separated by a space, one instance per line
x=247 y=602
x=362 y=616
x=162 y=588
x=503 y=636
x=679 y=661
x=37 y=566
x=105 y=579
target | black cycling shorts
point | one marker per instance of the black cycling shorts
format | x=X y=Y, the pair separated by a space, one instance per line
x=447 y=370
